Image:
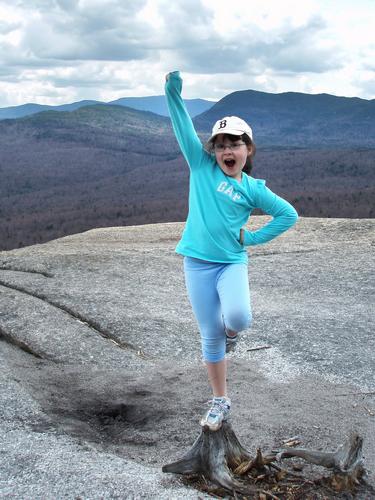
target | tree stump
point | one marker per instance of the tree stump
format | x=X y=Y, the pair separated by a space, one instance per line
x=220 y=458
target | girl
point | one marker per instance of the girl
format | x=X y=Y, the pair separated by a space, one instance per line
x=221 y=197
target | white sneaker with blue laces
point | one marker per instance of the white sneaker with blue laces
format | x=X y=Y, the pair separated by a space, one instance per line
x=217 y=414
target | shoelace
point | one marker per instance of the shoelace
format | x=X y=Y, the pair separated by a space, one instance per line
x=231 y=338
x=218 y=407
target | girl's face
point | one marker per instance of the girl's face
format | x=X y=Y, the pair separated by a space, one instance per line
x=231 y=155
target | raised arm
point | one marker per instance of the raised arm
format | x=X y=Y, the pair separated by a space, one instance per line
x=284 y=217
x=183 y=127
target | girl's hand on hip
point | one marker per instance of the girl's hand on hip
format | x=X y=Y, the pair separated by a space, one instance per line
x=242 y=236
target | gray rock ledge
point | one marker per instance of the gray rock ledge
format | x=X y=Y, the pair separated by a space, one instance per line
x=102 y=378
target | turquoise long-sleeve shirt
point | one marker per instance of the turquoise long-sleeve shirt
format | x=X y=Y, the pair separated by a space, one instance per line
x=219 y=205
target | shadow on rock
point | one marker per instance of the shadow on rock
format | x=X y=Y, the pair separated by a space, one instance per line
x=135 y=417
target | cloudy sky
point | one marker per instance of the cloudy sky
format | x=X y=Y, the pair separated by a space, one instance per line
x=59 y=51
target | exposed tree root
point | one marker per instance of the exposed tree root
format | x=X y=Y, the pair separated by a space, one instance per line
x=346 y=463
x=218 y=464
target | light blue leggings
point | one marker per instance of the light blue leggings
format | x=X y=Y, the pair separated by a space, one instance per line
x=220 y=298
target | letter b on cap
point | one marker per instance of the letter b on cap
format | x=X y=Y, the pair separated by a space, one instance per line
x=222 y=124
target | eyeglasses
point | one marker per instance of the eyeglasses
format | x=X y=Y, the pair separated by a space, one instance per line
x=220 y=148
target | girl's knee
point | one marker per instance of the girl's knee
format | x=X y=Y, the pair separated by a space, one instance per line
x=238 y=320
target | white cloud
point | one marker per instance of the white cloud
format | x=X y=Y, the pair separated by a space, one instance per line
x=56 y=50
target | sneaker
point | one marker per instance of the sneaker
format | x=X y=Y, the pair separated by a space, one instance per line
x=230 y=342
x=217 y=414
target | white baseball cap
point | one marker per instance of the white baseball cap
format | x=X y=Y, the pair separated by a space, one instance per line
x=231 y=125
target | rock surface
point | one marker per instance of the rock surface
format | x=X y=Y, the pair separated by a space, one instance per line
x=102 y=378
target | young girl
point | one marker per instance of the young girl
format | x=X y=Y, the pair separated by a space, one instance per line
x=221 y=197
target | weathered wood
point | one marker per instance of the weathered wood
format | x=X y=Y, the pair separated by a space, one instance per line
x=346 y=457
x=211 y=455
x=219 y=457
x=346 y=462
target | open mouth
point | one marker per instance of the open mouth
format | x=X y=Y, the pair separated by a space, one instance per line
x=229 y=163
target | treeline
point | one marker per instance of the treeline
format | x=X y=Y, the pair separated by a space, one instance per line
x=64 y=173
x=72 y=200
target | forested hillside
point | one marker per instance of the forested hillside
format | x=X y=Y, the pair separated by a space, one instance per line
x=295 y=119
x=98 y=166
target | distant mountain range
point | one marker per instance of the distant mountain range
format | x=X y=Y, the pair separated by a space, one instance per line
x=286 y=119
x=31 y=109
x=156 y=104
x=109 y=165
x=296 y=119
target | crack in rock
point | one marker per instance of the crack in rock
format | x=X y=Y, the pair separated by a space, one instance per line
x=90 y=323
x=31 y=271
x=18 y=343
